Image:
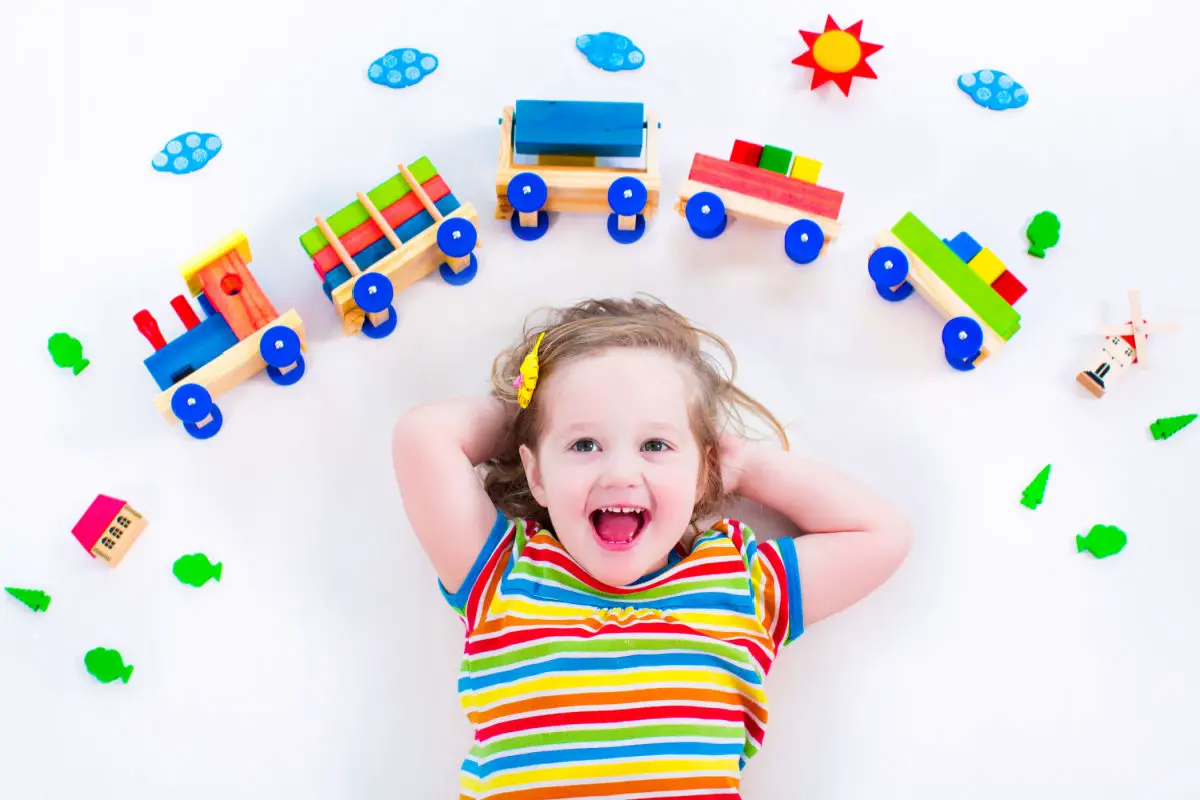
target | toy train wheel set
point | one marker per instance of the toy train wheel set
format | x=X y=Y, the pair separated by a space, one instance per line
x=388 y=239
x=569 y=140
x=241 y=335
x=765 y=183
x=965 y=282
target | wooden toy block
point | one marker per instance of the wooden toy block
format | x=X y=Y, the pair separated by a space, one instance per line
x=547 y=160
x=353 y=215
x=578 y=189
x=370 y=232
x=108 y=529
x=766 y=185
x=236 y=365
x=557 y=127
x=746 y=153
x=775 y=159
x=626 y=223
x=236 y=295
x=964 y=246
x=1008 y=287
x=743 y=205
x=190 y=351
x=183 y=310
x=987 y=266
x=235 y=241
x=992 y=310
x=805 y=169
x=928 y=283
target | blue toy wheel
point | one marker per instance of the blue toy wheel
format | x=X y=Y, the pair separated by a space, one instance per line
x=373 y=331
x=803 y=240
x=962 y=338
x=373 y=292
x=190 y=404
x=459 y=278
x=527 y=192
x=626 y=237
x=627 y=196
x=456 y=237
x=280 y=348
x=888 y=268
x=531 y=233
x=705 y=213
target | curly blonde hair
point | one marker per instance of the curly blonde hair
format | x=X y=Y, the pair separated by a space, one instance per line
x=588 y=328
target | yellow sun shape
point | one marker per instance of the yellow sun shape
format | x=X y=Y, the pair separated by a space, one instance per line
x=837 y=55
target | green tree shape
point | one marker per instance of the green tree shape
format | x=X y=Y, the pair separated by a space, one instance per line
x=1166 y=427
x=36 y=599
x=1036 y=490
x=1042 y=233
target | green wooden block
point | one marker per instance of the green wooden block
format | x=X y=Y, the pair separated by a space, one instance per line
x=354 y=214
x=992 y=309
x=775 y=159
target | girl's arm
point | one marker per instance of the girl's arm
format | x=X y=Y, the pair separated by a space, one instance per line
x=435 y=448
x=858 y=539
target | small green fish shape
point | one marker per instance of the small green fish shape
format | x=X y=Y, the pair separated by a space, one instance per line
x=36 y=599
x=67 y=352
x=1102 y=541
x=196 y=570
x=107 y=665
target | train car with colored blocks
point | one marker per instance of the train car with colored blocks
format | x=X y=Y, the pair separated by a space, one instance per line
x=968 y=285
x=574 y=158
x=764 y=183
x=387 y=240
x=241 y=334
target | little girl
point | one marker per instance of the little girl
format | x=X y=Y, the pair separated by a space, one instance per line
x=617 y=634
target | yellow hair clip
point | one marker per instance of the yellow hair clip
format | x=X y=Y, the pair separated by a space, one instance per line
x=526 y=382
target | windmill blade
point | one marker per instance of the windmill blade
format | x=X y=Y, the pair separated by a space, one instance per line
x=1138 y=322
x=1162 y=327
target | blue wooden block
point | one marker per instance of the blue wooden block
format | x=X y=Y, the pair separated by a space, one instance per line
x=573 y=127
x=190 y=351
x=964 y=246
x=336 y=277
x=408 y=230
x=205 y=306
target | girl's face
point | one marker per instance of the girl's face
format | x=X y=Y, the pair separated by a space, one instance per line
x=617 y=465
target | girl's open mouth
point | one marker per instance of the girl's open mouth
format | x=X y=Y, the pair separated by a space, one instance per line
x=618 y=527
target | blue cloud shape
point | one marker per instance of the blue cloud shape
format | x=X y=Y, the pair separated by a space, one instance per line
x=402 y=67
x=187 y=152
x=610 y=51
x=993 y=89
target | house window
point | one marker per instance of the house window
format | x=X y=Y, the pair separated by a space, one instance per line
x=114 y=532
x=123 y=522
x=107 y=542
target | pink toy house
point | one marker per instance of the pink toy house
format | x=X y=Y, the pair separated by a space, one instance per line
x=108 y=528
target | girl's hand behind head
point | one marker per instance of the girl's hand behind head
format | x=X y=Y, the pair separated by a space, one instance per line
x=733 y=461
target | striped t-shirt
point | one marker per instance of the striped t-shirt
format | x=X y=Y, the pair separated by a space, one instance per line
x=655 y=690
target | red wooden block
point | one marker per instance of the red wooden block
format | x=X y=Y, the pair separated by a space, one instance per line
x=766 y=185
x=184 y=311
x=746 y=153
x=362 y=236
x=1008 y=287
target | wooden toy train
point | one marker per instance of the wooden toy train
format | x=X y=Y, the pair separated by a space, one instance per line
x=240 y=335
x=765 y=183
x=568 y=139
x=388 y=239
x=965 y=282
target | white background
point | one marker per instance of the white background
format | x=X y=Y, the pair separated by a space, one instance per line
x=998 y=662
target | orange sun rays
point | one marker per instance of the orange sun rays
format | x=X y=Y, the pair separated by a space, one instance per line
x=837 y=55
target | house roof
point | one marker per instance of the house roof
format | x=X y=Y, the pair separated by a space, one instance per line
x=95 y=520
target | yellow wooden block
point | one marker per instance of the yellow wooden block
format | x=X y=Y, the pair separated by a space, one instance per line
x=234 y=241
x=987 y=266
x=805 y=169
x=566 y=161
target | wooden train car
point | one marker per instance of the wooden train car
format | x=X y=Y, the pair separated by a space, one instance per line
x=388 y=239
x=764 y=183
x=568 y=140
x=241 y=335
x=965 y=282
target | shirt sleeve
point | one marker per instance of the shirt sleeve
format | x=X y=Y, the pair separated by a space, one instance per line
x=775 y=579
x=471 y=600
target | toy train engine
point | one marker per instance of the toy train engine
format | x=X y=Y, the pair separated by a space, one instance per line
x=240 y=335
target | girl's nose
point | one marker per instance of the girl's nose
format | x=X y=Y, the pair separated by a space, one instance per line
x=621 y=471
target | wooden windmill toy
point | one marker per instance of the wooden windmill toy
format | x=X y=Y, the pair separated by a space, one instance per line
x=1124 y=346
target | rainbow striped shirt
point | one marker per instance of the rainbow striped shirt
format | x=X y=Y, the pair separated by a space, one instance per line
x=580 y=690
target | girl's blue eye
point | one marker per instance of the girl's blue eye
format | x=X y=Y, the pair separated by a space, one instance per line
x=585 y=446
x=656 y=446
